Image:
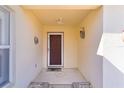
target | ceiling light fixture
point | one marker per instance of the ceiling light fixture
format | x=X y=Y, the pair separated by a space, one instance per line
x=59 y=20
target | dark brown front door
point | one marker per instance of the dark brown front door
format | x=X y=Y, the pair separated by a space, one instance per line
x=55 y=49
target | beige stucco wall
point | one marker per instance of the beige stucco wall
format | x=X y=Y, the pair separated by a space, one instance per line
x=27 y=54
x=90 y=64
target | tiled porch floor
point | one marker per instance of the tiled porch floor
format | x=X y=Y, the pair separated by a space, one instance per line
x=66 y=76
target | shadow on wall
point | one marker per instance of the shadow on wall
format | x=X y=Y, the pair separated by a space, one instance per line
x=112 y=76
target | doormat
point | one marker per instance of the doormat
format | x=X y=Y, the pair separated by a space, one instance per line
x=54 y=69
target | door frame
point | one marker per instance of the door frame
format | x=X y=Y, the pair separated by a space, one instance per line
x=62 y=49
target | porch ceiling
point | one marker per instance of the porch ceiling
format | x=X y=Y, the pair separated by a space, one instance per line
x=70 y=14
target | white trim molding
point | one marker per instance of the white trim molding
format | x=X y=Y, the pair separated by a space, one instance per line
x=10 y=46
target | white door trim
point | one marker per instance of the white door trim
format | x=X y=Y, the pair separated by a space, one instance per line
x=62 y=48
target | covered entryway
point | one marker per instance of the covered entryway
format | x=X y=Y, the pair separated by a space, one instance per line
x=51 y=37
x=65 y=47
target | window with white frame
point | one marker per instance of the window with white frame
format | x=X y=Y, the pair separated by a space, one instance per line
x=4 y=46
